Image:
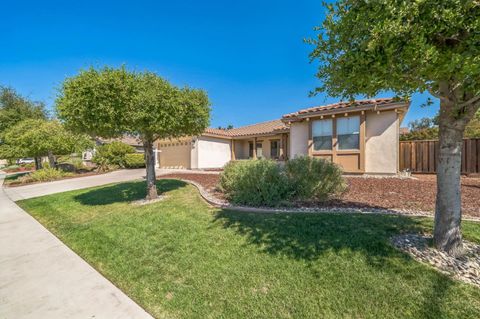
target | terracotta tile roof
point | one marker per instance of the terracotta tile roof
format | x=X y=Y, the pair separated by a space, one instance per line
x=127 y=139
x=270 y=127
x=359 y=104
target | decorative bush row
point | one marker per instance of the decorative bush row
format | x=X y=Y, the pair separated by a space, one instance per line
x=117 y=154
x=267 y=183
x=135 y=160
x=44 y=175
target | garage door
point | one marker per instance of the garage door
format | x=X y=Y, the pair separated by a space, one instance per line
x=175 y=154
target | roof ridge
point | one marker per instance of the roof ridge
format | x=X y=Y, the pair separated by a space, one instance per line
x=249 y=125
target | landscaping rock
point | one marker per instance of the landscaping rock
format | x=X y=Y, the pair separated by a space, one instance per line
x=465 y=268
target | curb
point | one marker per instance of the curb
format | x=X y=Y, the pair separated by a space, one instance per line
x=217 y=203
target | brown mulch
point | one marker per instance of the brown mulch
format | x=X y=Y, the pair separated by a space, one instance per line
x=416 y=194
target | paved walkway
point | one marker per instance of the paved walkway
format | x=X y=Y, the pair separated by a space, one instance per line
x=41 y=189
x=40 y=277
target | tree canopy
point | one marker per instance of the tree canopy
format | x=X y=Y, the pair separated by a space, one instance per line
x=15 y=108
x=37 y=138
x=366 y=47
x=427 y=129
x=111 y=102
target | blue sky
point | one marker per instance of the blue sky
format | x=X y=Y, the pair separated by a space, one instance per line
x=248 y=55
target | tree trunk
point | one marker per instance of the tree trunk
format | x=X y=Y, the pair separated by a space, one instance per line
x=38 y=163
x=150 y=164
x=448 y=209
x=51 y=160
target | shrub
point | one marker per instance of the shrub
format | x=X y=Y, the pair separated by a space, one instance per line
x=112 y=154
x=266 y=183
x=255 y=183
x=134 y=160
x=314 y=179
x=44 y=175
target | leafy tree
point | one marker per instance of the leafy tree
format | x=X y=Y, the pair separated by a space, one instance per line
x=15 y=108
x=111 y=102
x=427 y=129
x=366 y=47
x=38 y=138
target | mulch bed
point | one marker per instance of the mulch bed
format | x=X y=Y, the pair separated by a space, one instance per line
x=386 y=193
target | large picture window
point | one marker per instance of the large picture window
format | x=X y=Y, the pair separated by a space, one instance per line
x=348 y=133
x=322 y=135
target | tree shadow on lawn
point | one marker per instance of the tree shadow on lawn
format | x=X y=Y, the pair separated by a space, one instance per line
x=306 y=236
x=125 y=192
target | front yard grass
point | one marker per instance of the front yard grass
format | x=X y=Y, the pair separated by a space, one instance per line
x=180 y=258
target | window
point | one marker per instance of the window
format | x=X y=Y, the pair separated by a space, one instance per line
x=274 y=149
x=348 y=133
x=322 y=135
x=250 y=149
x=259 y=150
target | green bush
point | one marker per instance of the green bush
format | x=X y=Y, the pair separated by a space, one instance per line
x=255 y=183
x=44 y=175
x=314 y=179
x=112 y=154
x=135 y=160
x=266 y=183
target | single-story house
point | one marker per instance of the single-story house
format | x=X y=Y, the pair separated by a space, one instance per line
x=216 y=147
x=361 y=136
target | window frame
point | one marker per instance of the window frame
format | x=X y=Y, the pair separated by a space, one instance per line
x=337 y=146
x=332 y=134
x=277 y=155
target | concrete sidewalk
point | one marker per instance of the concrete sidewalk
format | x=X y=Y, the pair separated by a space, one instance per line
x=40 y=277
x=41 y=189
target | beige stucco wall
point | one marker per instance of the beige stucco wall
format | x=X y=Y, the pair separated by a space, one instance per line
x=298 y=139
x=213 y=152
x=382 y=142
x=194 y=154
x=241 y=152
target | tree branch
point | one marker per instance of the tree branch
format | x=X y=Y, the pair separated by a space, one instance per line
x=471 y=101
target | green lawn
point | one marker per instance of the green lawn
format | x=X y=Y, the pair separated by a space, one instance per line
x=183 y=259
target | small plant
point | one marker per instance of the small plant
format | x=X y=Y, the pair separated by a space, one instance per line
x=314 y=179
x=135 y=160
x=255 y=183
x=112 y=154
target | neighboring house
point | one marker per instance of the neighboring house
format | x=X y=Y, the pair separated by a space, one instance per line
x=361 y=136
x=404 y=130
x=127 y=139
x=216 y=147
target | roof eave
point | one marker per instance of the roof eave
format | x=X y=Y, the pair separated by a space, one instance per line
x=384 y=107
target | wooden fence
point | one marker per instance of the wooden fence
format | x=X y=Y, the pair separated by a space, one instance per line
x=421 y=156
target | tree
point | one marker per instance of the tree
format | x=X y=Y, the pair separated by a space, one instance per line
x=111 y=102
x=38 y=138
x=367 y=47
x=15 y=108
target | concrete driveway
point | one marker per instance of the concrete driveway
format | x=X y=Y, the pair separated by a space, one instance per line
x=40 y=277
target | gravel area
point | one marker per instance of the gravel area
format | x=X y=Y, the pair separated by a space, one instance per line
x=465 y=268
x=415 y=194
